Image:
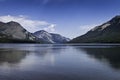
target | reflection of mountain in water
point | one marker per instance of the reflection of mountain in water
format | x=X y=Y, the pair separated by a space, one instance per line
x=44 y=54
x=48 y=49
x=112 y=55
x=11 y=55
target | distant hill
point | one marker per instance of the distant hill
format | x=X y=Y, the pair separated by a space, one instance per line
x=51 y=37
x=108 y=32
x=13 y=32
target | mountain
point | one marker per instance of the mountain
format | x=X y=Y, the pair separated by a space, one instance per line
x=14 y=32
x=51 y=37
x=108 y=32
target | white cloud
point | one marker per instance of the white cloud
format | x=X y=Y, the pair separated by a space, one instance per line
x=30 y=25
x=50 y=28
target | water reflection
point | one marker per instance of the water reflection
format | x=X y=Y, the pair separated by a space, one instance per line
x=58 y=62
x=108 y=55
x=12 y=56
x=26 y=55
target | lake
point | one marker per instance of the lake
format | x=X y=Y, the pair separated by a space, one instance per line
x=59 y=62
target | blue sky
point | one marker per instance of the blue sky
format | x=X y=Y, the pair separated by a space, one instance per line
x=70 y=18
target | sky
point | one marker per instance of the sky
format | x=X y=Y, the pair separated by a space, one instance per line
x=70 y=18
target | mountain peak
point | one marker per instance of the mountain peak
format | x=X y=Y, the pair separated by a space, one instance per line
x=13 y=31
x=13 y=23
x=50 y=37
x=117 y=16
x=41 y=31
x=115 y=19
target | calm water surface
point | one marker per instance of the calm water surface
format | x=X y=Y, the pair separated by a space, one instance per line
x=59 y=62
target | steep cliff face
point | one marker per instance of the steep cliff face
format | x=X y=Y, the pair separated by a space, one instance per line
x=51 y=37
x=14 y=32
x=108 y=32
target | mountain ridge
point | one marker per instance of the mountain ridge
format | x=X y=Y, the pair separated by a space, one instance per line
x=51 y=37
x=13 y=32
x=108 y=32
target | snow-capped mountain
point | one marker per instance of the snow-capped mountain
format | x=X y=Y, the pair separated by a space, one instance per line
x=51 y=37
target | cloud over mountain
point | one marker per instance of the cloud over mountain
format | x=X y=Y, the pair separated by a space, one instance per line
x=30 y=25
